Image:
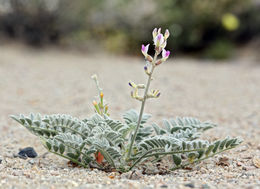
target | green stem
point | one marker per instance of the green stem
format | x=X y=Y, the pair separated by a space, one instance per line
x=141 y=157
x=73 y=160
x=176 y=152
x=198 y=160
x=167 y=153
x=142 y=106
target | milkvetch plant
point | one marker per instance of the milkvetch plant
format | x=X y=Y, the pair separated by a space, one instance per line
x=101 y=142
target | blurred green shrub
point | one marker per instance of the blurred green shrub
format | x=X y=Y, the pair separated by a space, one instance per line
x=39 y=21
x=219 y=50
x=199 y=22
x=122 y=25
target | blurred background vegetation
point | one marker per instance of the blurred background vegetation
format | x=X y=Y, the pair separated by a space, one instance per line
x=208 y=28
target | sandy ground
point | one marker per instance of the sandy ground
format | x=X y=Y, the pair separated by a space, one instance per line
x=56 y=81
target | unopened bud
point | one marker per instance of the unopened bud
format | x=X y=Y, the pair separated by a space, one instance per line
x=159 y=30
x=158 y=62
x=95 y=103
x=166 y=34
x=154 y=32
x=101 y=94
x=106 y=108
x=140 y=86
x=146 y=70
x=132 y=84
x=149 y=58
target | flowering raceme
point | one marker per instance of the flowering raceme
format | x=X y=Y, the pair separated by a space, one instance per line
x=160 y=42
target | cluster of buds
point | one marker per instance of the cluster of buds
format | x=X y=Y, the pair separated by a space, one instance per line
x=160 y=42
x=100 y=107
x=154 y=94
x=134 y=94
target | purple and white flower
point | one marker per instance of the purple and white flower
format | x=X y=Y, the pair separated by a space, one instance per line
x=165 y=54
x=158 y=40
x=144 y=50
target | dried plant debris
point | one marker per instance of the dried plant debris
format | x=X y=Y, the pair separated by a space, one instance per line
x=223 y=161
x=256 y=162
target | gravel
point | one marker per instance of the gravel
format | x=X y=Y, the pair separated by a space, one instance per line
x=55 y=81
x=27 y=152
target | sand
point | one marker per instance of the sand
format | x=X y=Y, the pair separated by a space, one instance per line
x=58 y=81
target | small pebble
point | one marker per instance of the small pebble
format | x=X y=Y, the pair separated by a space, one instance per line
x=164 y=186
x=31 y=161
x=27 y=152
x=205 y=186
x=190 y=185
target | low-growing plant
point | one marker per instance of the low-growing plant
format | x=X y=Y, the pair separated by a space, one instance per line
x=101 y=142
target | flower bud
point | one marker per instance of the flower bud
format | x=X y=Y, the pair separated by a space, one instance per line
x=149 y=58
x=140 y=86
x=158 y=40
x=146 y=70
x=159 y=30
x=106 y=108
x=95 y=103
x=158 y=62
x=132 y=84
x=94 y=77
x=166 y=34
x=144 y=50
x=154 y=32
x=101 y=94
x=165 y=54
x=96 y=107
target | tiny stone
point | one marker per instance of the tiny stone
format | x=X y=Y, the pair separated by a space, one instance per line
x=205 y=186
x=191 y=185
x=164 y=186
x=31 y=161
x=27 y=152
x=0 y=161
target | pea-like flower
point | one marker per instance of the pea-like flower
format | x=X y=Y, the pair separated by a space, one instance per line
x=165 y=54
x=144 y=50
x=158 y=40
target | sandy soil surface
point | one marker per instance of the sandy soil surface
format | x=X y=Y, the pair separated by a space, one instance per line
x=56 y=81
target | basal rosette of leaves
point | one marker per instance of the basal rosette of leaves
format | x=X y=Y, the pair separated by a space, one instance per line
x=101 y=142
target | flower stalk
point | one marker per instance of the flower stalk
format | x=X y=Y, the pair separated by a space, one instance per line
x=160 y=42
